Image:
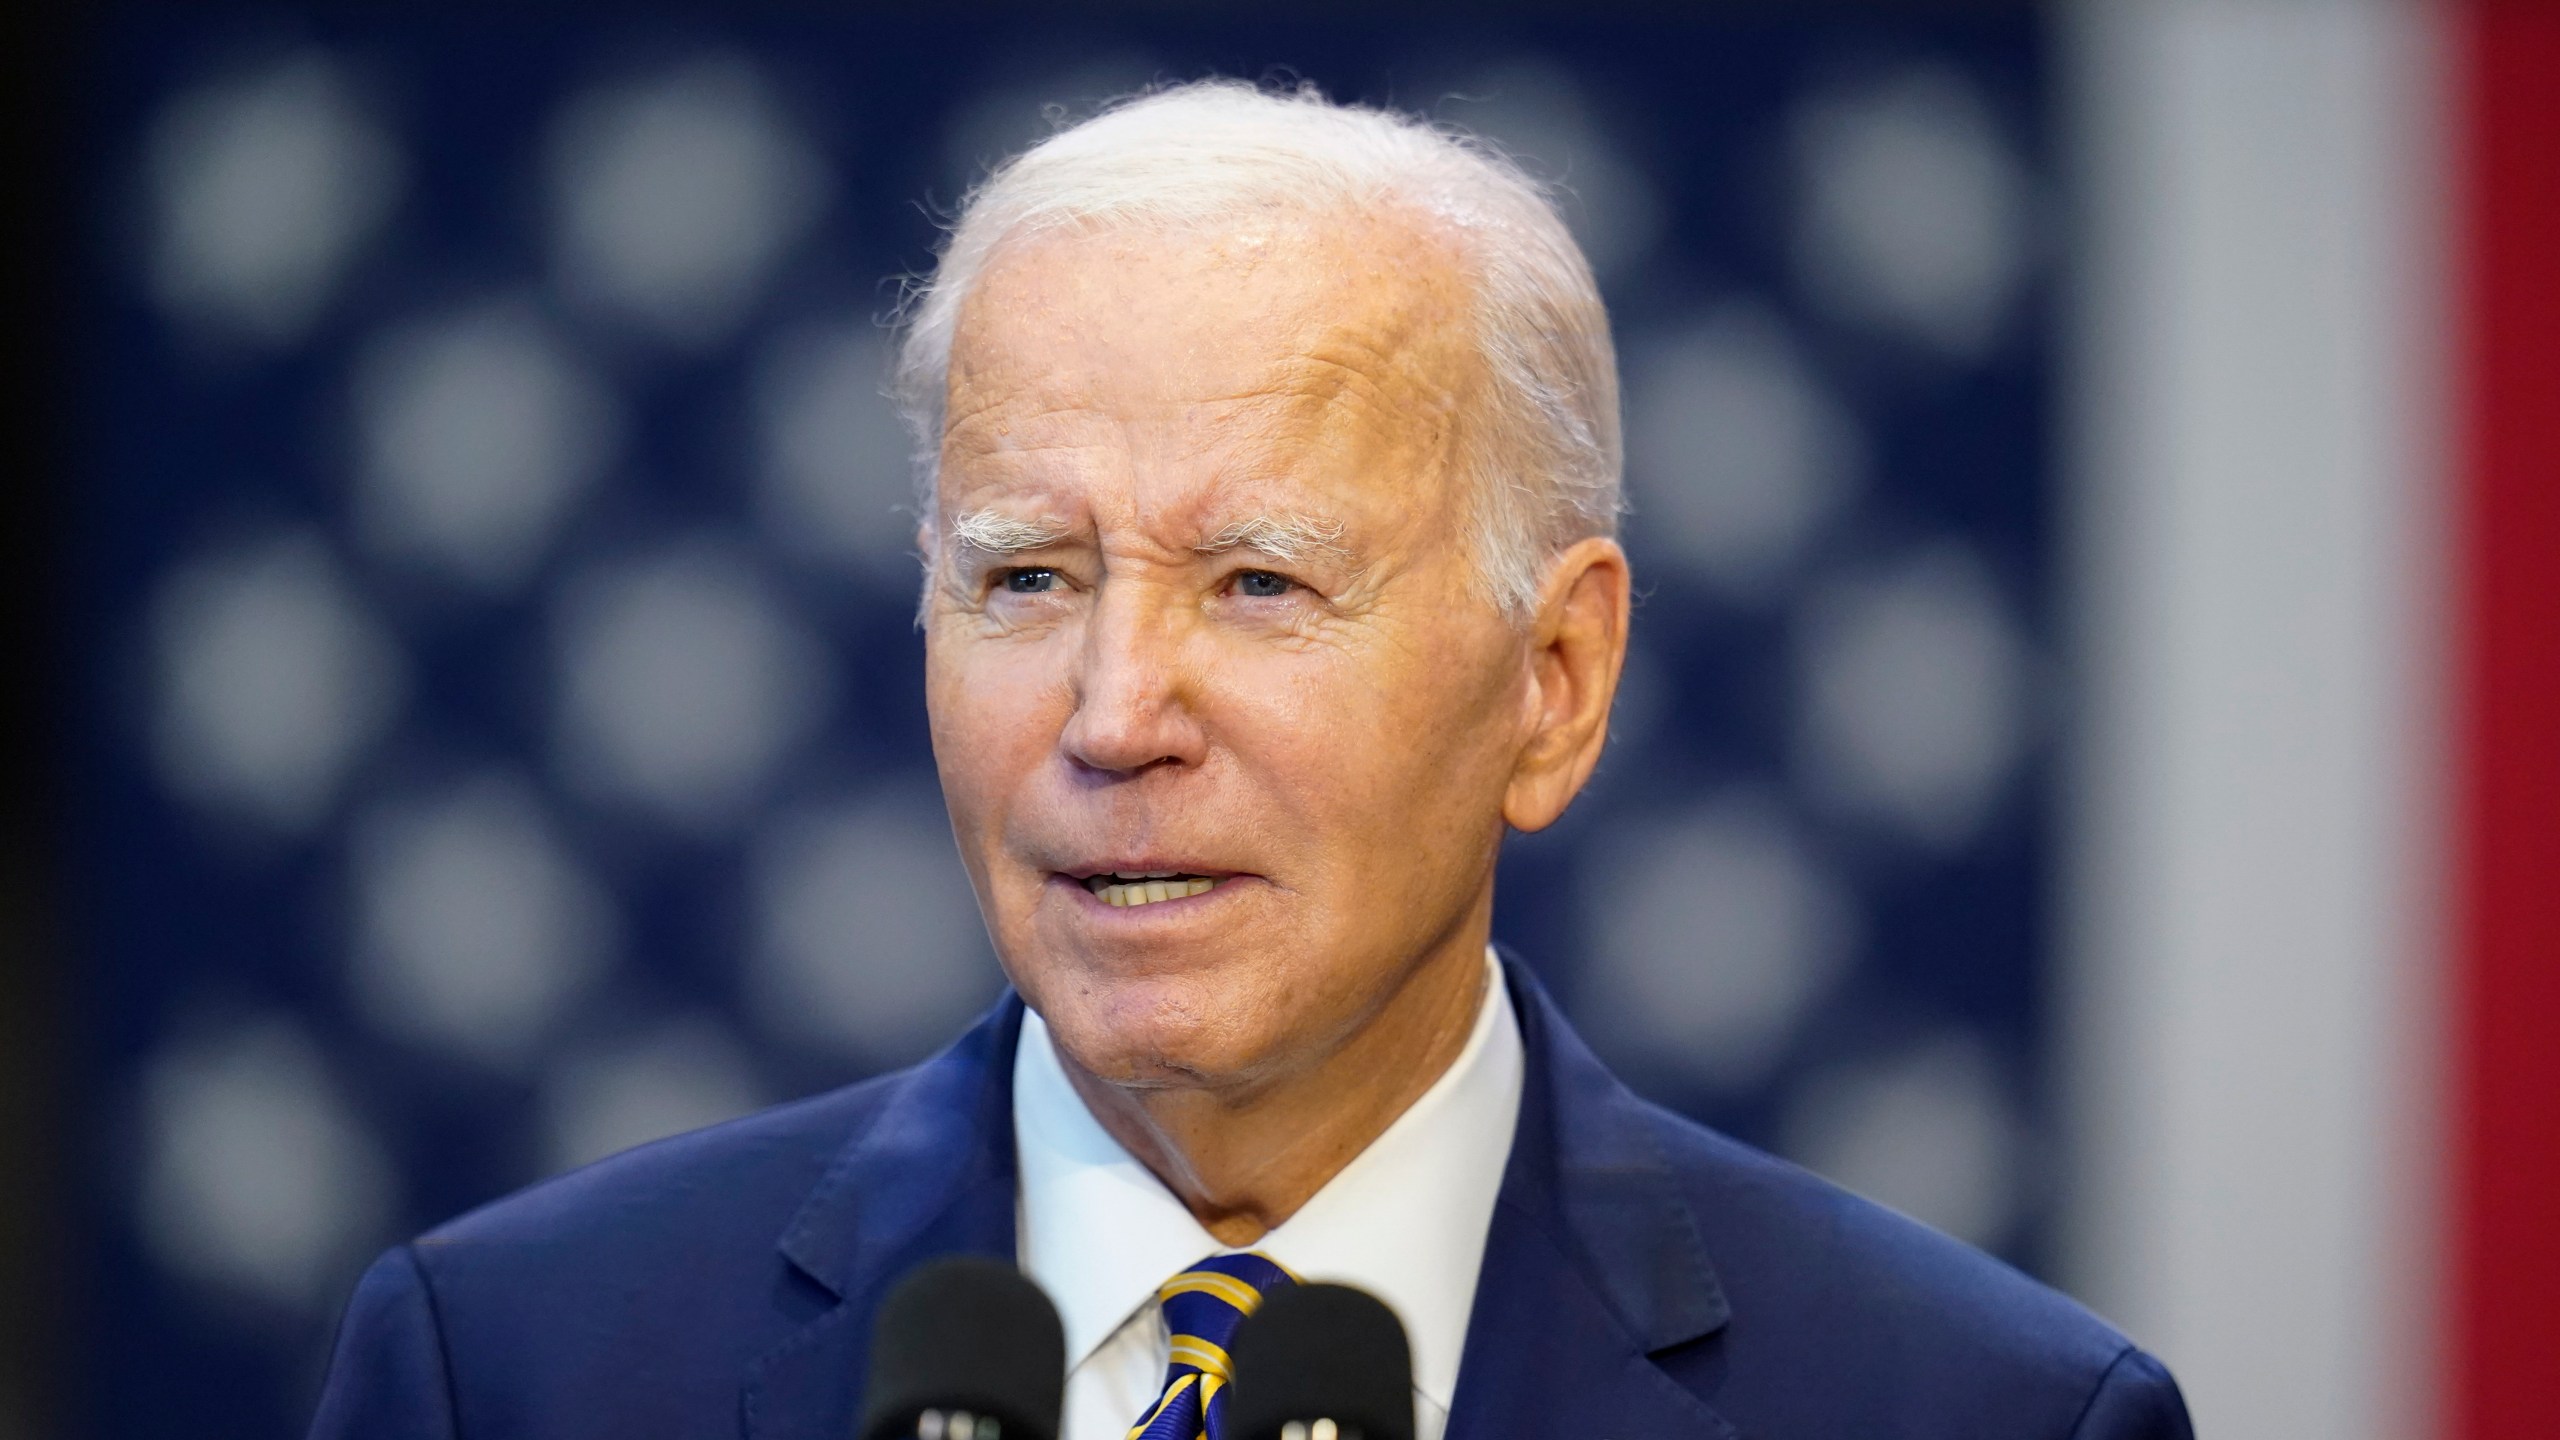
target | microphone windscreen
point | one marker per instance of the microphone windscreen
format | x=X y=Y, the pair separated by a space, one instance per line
x=965 y=1334
x=1320 y=1352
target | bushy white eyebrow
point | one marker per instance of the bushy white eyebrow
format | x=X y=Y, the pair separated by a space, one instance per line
x=1290 y=539
x=991 y=532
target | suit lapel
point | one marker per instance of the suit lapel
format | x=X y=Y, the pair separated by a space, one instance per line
x=1593 y=1265
x=933 y=1174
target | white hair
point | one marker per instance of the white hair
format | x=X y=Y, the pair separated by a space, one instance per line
x=1541 y=451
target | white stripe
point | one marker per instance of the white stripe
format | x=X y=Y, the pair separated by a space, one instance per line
x=2256 y=406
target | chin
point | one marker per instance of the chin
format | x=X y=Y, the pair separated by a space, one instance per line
x=1175 y=1032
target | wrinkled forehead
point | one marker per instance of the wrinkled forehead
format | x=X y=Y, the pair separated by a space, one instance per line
x=1363 y=313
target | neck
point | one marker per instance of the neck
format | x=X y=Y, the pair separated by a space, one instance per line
x=1243 y=1159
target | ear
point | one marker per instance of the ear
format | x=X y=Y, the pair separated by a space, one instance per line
x=1577 y=644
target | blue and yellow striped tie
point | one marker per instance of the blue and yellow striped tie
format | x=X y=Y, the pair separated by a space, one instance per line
x=1202 y=1307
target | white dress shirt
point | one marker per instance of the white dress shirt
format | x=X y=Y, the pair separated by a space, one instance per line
x=1405 y=1221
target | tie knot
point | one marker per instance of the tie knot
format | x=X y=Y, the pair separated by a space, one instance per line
x=1204 y=1304
x=1202 y=1308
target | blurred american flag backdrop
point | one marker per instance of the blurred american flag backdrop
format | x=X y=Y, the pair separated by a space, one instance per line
x=2079 y=777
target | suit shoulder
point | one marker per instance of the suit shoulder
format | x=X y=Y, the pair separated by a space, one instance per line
x=1851 y=1319
x=629 y=1295
x=1803 y=1255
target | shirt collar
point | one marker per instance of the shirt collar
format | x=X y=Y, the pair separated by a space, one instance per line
x=1405 y=1220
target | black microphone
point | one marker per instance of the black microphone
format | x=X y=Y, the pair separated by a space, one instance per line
x=965 y=1348
x=1320 y=1362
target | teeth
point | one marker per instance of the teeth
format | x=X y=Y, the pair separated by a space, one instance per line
x=1124 y=890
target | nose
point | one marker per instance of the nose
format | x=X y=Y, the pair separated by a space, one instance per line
x=1133 y=690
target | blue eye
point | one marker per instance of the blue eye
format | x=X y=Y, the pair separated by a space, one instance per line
x=1030 y=580
x=1263 y=585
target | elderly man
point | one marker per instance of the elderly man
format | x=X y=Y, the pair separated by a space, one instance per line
x=1272 y=451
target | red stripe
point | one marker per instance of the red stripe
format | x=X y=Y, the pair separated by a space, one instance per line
x=2505 y=1311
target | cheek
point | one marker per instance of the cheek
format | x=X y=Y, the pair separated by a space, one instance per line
x=992 y=726
x=1370 y=750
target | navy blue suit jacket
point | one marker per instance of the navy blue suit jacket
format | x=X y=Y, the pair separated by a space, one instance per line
x=1645 y=1277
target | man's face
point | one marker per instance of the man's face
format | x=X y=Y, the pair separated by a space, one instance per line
x=1205 y=607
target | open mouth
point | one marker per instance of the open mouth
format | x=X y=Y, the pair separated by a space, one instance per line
x=1124 y=889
